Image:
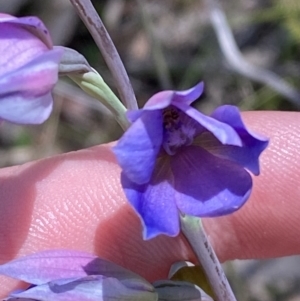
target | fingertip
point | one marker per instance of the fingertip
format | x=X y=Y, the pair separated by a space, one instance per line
x=267 y=225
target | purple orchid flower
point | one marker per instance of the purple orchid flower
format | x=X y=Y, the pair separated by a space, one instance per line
x=175 y=160
x=28 y=70
x=61 y=275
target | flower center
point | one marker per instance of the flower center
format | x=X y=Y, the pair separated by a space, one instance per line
x=178 y=130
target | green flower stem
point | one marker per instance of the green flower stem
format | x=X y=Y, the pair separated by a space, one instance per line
x=93 y=84
x=92 y=21
x=194 y=232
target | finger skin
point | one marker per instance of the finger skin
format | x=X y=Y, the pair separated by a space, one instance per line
x=75 y=201
x=268 y=224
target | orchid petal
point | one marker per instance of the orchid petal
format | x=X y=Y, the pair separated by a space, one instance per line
x=89 y=288
x=159 y=100
x=247 y=156
x=28 y=70
x=164 y=99
x=137 y=150
x=31 y=24
x=5 y=17
x=48 y=266
x=189 y=96
x=223 y=132
x=253 y=144
x=207 y=186
x=17 y=291
x=154 y=202
x=25 y=93
x=133 y=115
x=20 y=44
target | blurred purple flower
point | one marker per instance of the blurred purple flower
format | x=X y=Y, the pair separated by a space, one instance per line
x=175 y=160
x=28 y=70
x=62 y=275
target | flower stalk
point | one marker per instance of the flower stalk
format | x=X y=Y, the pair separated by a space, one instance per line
x=93 y=84
x=194 y=232
x=94 y=24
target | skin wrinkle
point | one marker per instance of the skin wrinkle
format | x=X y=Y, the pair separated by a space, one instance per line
x=267 y=226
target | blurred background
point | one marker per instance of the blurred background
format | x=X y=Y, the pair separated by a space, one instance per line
x=247 y=52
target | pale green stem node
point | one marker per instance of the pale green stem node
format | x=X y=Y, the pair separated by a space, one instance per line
x=94 y=85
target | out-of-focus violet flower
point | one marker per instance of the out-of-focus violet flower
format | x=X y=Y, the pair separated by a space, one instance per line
x=28 y=70
x=62 y=275
x=176 y=160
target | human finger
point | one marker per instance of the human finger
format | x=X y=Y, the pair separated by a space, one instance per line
x=268 y=224
x=76 y=201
